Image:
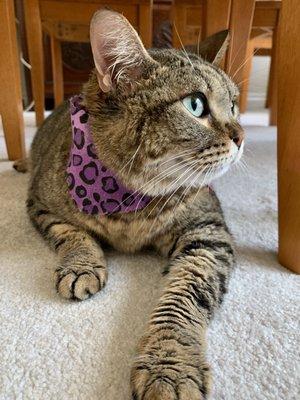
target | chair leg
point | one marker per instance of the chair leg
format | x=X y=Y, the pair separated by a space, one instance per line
x=57 y=71
x=244 y=85
x=10 y=85
x=145 y=14
x=216 y=15
x=178 y=18
x=288 y=136
x=240 y=27
x=273 y=81
x=35 y=49
x=269 y=87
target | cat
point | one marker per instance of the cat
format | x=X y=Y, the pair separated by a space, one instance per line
x=156 y=127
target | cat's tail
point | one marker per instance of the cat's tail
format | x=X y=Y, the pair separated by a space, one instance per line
x=22 y=165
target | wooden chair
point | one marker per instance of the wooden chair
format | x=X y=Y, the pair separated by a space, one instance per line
x=245 y=20
x=68 y=20
x=263 y=36
x=11 y=108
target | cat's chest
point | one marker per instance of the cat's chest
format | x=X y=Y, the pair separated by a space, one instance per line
x=129 y=236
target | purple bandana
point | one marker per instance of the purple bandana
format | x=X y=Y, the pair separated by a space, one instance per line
x=94 y=188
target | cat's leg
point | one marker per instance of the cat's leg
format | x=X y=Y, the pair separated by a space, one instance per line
x=82 y=267
x=171 y=361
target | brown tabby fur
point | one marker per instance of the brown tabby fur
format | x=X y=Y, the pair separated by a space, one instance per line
x=144 y=111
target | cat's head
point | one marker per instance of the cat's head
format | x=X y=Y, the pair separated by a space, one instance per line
x=161 y=119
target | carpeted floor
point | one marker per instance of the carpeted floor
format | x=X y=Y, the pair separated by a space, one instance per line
x=54 y=349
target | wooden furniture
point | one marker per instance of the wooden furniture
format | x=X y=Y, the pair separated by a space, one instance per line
x=288 y=135
x=263 y=36
x=11 y=109
x=68 y=20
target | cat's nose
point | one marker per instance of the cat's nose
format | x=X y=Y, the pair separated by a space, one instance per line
x=237 y=136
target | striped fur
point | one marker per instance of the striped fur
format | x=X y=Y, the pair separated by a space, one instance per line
x=146 y=136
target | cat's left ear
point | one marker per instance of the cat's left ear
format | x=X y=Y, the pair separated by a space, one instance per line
x=214 y=47
x=118 y=51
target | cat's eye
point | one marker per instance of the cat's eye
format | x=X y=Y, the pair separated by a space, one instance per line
x=196 y=104
x=233 y=108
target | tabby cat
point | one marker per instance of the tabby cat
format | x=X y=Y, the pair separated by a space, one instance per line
x=166 y=123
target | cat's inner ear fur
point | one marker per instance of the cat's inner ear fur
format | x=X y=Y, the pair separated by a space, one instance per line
x=117 y=49
x=213 y=48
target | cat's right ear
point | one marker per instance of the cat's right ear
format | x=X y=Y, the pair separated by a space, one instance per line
x=118 y=51
x=214 y=47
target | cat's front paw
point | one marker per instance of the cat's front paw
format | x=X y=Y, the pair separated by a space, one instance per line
x=80 y=283
x=169 y=370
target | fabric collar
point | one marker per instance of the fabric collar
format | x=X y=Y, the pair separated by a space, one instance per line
x=94 y=188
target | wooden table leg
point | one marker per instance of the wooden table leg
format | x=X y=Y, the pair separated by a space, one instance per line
x=57 y=71
x=240 y=28
x=216 y=16
x=288 y=135
x=35 y=49
x=273 y=80
x=178 y=17
x=145 y=31
x=11 y=109
x=244 y=85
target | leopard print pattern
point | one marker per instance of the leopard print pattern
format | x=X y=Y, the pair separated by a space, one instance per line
x=94 y=188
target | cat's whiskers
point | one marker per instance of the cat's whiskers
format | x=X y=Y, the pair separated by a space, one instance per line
x=198 y=42
x=234 y=58
x=168 y=172
x=244 y=63
x=132 y=158
x=183 y=48
x=168 y=200
x=173 y=183
x=170 y=186
x=198 y=171
x=182 y=197
x=242 y=166
x=190 y=152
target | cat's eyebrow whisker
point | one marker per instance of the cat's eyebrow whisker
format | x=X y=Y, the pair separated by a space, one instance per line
x=245 y=62
x=243 y=81
x=183 y=48
x=198 y=42
x=235 y=56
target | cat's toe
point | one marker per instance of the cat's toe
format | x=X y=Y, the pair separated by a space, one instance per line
x=162 y=388
x=168 y=384
x=79 y=284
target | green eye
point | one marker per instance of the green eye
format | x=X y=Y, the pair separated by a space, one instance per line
x=196 y=105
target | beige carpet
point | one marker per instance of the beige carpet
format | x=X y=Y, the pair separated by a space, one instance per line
x=54 y=349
